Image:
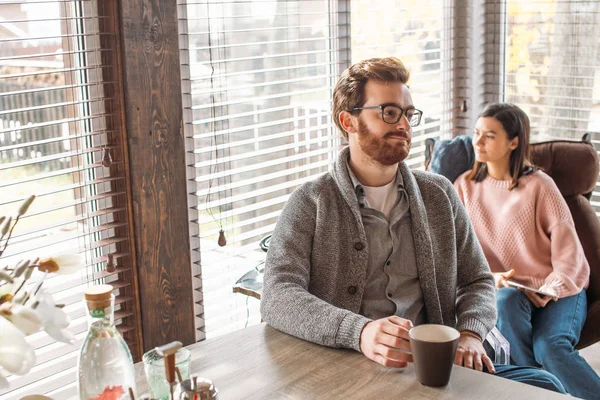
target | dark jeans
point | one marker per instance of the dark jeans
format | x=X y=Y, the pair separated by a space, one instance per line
x=530 y=376
x=546 y=337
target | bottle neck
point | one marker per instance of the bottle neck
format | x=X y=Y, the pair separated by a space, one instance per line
x=101 y=311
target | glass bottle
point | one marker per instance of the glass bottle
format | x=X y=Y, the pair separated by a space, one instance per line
x=105 y=364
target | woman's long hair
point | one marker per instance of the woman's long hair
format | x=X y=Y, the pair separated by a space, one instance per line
x=516 y=124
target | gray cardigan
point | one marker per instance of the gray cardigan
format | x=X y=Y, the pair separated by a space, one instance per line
x=317 y=260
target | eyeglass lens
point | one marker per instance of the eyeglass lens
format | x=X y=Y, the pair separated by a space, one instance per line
x=392 y=114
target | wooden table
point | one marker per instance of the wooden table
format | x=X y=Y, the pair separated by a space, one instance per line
x=262 y=363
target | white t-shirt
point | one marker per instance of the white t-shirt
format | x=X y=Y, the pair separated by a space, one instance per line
x=382 y=198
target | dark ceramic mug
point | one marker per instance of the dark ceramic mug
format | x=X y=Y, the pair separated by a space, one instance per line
x=433 y=349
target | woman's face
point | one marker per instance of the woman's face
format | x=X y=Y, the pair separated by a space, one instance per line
x=491 y=143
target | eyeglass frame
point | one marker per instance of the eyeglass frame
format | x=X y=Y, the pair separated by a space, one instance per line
x=402 y=112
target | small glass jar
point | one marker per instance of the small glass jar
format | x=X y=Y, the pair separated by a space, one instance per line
x=154 y=367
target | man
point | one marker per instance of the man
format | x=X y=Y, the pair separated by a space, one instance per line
x=371 y=248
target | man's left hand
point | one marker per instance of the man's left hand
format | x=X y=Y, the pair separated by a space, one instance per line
x=471 y=354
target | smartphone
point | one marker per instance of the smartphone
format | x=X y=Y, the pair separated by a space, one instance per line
x=519 y=286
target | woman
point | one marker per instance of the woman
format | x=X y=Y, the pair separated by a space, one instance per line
x=528 y=236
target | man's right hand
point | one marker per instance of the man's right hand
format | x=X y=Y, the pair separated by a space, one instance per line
x=502 y=277
x=386 y=341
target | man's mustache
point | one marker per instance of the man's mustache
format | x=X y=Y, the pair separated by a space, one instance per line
x=403 y=135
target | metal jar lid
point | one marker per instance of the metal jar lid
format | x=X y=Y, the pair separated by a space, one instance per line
x=197 y=388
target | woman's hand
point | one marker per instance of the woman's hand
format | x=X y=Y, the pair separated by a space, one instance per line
x=541 y=301
x=502 y=277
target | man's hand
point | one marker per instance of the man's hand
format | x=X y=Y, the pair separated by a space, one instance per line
x=502 y=277
x=471 y=354
x=386 y=341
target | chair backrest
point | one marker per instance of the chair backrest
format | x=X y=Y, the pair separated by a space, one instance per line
x=572 y=165
x=450 y=157
x=574 y=168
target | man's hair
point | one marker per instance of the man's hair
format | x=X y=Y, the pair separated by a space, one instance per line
x=516 y=124
x=349 y=91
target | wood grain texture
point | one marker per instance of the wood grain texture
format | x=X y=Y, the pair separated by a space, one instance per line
x=262 y=363
x=152 y=87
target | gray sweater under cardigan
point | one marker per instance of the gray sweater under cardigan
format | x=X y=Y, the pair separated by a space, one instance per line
x=317 y=260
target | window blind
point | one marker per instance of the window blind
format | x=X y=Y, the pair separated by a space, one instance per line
x=257 y=85
x=551 y=67
x=60 y=139
x=418 y=33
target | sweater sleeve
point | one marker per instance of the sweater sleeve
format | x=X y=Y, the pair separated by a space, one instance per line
x=286 y=303
x=476 y=292
x=570 y=269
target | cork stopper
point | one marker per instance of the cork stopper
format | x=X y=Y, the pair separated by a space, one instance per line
x=98 y=296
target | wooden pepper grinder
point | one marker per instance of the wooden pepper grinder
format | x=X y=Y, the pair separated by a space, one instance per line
x=168 y=352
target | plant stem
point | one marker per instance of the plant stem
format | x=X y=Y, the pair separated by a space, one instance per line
x=20 y=287
x=23 y=284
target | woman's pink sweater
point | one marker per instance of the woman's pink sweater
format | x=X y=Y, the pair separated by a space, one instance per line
x=528 y=229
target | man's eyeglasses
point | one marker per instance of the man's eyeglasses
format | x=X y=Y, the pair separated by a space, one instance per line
x=391 y=113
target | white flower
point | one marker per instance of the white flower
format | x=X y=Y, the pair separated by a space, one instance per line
x=16 y=355
x=24 y=318
x=54 y=320
x=63 y=264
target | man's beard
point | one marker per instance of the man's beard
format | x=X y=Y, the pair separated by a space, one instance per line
x=381 y=149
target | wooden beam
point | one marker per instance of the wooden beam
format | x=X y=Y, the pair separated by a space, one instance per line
x=157 y=168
